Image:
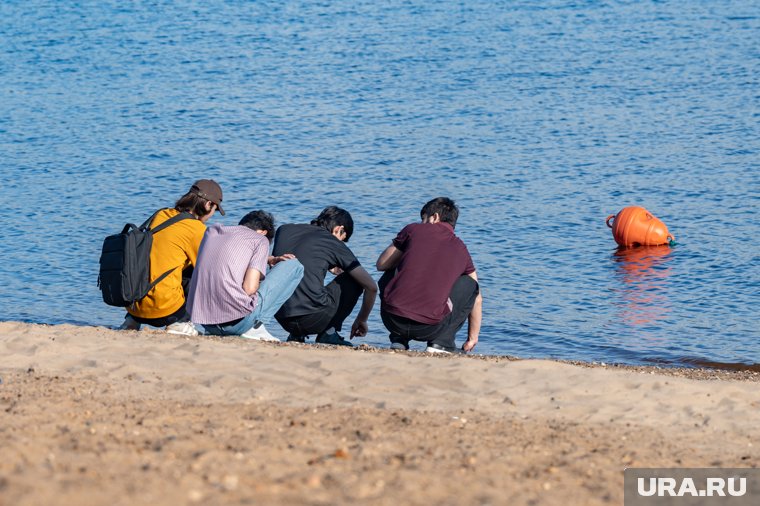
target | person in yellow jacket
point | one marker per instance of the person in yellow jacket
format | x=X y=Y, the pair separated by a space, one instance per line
x=175 y=247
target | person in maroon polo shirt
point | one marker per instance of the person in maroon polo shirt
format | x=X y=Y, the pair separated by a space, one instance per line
x=430 y=286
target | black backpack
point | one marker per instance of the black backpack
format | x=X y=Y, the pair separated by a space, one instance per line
x=125 y=262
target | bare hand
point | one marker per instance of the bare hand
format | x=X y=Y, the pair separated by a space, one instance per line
x=275 y=260
x=336 y=270
x=359 y=328
x=469 y=345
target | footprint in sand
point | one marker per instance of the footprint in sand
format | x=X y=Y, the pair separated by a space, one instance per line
x=194 y=349
x=21 y=346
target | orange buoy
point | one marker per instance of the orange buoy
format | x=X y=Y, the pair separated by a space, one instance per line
x=635 y=226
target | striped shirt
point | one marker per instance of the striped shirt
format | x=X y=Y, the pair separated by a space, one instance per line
x=216 y=289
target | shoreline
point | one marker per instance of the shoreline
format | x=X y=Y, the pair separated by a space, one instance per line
x=750 y=373
x=96 y=416
x=729 y=371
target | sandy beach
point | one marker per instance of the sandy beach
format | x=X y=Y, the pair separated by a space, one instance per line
x=92 y=416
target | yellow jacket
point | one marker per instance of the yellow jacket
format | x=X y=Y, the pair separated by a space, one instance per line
x=173 y=247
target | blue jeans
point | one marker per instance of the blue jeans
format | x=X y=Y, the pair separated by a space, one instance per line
x=276 y=288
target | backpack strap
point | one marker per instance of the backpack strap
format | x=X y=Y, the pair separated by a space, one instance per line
x=147 y=223
x=160 y=278
x=128 y=228
x=184 y=215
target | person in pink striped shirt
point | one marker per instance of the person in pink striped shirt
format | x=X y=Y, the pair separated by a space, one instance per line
x=231 y=292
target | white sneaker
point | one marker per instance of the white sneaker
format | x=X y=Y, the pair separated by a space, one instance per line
x=130 y=324
x=182 y=329
x=259 y=333
x=435 y=349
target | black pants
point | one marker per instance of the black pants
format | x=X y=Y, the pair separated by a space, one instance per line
x=179 y=315
x=345 y=291
x=463 y=295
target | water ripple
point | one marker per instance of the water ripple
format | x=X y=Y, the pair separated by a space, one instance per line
x=540 y=119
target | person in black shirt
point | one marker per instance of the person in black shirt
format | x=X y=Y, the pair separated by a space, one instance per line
x=315 y=308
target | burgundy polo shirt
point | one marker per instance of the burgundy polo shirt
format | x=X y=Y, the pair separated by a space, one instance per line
x=432 y=259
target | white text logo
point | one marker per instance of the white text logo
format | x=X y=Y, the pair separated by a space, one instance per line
x=714 y=487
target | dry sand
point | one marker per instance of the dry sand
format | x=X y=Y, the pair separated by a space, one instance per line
x=92 y=416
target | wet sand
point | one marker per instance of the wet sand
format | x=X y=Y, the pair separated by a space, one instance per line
x=94 y=416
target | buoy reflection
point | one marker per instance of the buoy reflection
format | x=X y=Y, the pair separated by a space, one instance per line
x=644 y=273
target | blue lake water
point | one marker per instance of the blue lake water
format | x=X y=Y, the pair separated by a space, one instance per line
x=538 y=118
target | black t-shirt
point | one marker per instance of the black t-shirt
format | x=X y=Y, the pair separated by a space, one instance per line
x=318 y=251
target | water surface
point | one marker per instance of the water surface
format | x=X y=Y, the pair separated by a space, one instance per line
x=538 y=118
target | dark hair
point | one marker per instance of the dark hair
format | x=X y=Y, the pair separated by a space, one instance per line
x=332 y=217
x=259 y=220
x=192 y=203
x=445 y=207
